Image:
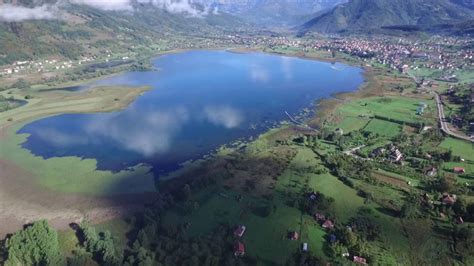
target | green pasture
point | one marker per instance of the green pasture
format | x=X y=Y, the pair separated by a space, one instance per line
x=73 y=174
x=398 y=108
x=383 y=128
x=352 y=123
x=265 y=237
x=460 y=148
x=465 y=150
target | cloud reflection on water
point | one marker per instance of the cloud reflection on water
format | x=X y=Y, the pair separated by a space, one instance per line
x=258 y=73
x=147 y=133
x=225 y=116
x=60 y=139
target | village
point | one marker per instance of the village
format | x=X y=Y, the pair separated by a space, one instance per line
x=414 y=57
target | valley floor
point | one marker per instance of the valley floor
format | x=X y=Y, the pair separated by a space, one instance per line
x=266 y=185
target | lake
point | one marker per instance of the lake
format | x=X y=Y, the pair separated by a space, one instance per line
x=200 y=100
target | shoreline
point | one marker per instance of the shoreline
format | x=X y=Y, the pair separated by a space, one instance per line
x=23 y=199
x=317 y=114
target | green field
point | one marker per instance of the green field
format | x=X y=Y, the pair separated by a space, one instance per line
x=383 y=128
x=464 y=150
x=351 y=123
x=459 y=148
x=398 y=108
x=73 y=174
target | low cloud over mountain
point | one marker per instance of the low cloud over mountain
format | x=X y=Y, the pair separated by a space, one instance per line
x=20 y=11
x=15 y=13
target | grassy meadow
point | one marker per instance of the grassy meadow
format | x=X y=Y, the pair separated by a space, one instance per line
x=70 y=174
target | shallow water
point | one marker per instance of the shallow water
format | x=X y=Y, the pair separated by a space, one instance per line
x=200 y=100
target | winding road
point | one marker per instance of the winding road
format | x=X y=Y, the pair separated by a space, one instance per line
x=442 y=120
x=442 y=117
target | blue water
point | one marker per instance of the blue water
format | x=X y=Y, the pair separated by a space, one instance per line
x=200 y=100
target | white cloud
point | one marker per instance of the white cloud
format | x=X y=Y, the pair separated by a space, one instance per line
x=108 y=5
x=16 y=13
x=225 y=116
x=179 y=6
x=173 y=6
x=13 y=13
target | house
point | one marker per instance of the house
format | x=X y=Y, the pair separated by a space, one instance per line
x=328 y=224
x=459 y=220
x=240 y=230
x=459 y=170
x=395 y=154
x=359 y=260
x=239 y=249
x=332 y=238
x=448 y=199
x=313 y=196
x=305 y=247
x=377 y=152
x=432 y=171
x=293 y=235
x=339 y=131
x=319 y=217
x=420 y=110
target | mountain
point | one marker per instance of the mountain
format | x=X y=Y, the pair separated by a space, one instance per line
x=72 y=30
x=373 y=15
x=273 y=12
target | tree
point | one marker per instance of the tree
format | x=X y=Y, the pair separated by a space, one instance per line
x=186 y=192
x=101 y=245
x=446 y=183
x=459 y=207
x=37 y=244
x=21 y=84
x=409 y=210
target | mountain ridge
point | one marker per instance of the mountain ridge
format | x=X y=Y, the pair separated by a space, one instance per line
x=367 y=15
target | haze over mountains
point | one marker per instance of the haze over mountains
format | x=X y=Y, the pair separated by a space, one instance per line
x=30 y=28
x=275 y=12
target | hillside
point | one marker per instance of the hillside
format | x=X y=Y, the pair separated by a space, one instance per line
x=80 y=29
x=372 y=15
x=274 y=12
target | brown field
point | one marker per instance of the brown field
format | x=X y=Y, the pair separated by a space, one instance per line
x=391 y=180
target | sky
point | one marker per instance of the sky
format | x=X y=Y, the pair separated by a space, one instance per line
x=16 y=13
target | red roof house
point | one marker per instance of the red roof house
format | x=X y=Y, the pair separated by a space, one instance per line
x=459 y=170
x=240 y=230
x=328 y=224
x=448 y=199
x=360 y=260
x=239 y=249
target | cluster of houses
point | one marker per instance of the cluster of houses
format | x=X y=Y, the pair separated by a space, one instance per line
x=239 y=247
x=392 y=153
x=404 y=55
x=447 y=200
x=47 y=65
x=327 y=224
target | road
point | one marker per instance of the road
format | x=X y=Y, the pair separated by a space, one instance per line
x=442 y=117
x=442 y=120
